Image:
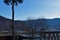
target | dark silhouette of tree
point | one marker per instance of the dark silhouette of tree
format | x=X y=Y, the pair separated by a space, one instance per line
x=43 y=24
x=37 y=25
x=13 y=2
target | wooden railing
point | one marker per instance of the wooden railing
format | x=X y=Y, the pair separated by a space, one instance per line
x=50 y=35
x=43 y=35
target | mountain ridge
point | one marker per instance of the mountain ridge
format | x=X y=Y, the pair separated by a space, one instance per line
x=51 y=23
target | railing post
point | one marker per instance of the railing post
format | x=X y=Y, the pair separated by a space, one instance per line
x=40 y=35
x=49 y=36
x=54 y=37
x=57 y=36
x=29 y=35
x=44 y=35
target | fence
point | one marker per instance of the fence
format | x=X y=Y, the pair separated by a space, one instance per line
x=50 y=35
x=42 y=35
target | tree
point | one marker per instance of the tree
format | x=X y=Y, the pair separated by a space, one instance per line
x=40 y=25
x=13 y=2
x=37 y=25
x=34 y=24
x=43 y=24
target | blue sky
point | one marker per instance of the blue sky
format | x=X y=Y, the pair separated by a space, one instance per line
x=32 y=8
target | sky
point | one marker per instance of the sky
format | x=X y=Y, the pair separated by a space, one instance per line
x=32 y=8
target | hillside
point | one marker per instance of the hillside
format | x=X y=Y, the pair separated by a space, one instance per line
x=5 y=24
x=51 y=23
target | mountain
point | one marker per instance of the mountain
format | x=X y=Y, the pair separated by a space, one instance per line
x=50 y=23
x=5 y=24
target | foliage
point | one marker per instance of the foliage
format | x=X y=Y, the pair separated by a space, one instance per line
x=14 y=1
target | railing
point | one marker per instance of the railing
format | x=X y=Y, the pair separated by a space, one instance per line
x=43 y=35
x=50 y=35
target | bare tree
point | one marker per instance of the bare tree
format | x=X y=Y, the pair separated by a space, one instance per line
x=43 y=24
x=37 y=25
x=33 y=24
